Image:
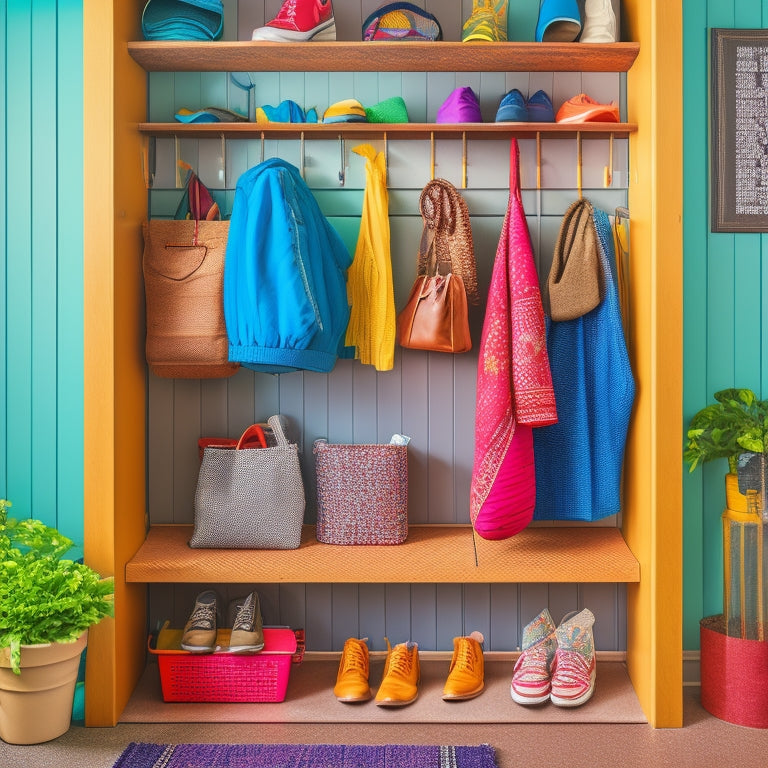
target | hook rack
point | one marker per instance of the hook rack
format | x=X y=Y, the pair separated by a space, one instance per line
x=608 y=172
x=463 y=159
x=432 y=155
x=342 y=167
x=578 y=164
x=262 y=146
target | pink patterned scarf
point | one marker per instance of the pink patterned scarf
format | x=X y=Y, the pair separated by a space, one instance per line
x=514 y=383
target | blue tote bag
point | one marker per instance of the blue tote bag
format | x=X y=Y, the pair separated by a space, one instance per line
x=579 y=459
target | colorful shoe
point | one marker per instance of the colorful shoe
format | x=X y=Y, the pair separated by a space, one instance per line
x=582 y=109
x=487 y=22
x=391 y=110
x=352 y=678
x=599 y=22
x=531 y=676
x=466 y=675
x=559 y=21
x=400 y=681
x=540 y=109
x=247 y=630
x=512 y=108
x=461 y=106
x=573 y=670
x=346 y=111
x=200 y=630
x=299 y=21
x=401 y=21
x=287 y=111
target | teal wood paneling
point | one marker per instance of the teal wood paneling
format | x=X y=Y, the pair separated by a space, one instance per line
x=41 y=465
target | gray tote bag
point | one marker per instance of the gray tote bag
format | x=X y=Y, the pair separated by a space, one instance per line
x=250 y=498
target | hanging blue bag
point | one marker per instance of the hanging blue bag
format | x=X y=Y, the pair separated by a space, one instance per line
x=579 y=459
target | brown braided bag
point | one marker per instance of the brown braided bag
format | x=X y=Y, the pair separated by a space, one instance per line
x=436 y=315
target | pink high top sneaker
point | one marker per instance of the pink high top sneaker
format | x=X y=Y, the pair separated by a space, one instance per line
x=298 y=21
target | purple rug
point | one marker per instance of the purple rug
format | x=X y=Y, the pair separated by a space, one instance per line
x=138 y=755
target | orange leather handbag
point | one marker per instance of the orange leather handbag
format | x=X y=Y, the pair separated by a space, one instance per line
x=436 y=315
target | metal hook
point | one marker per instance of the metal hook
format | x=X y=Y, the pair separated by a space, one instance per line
x=608 y=173
x=223 y=162
x=342 y=166
x=538 y=159
x=432 y=155
x=463 y=159
x=386 y=155
x=578 y=164
x=262 y=146
x=301 y=152
x=148 y=154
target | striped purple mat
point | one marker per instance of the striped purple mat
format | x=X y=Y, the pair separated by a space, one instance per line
x=139 y=755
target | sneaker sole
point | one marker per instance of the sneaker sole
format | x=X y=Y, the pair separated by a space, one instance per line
x=354 y=699
x=198 y=649
x=528 y=700
x=463 y=696
x=321 y=33
x=583 y=699
x=394 y=703
x=245 y=648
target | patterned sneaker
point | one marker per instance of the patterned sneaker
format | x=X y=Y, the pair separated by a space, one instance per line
x=487 y=22
x=247 y=631
x=299 y=21
x=400 y=681
x=531 y=676
x=200 y=630
x=466 y=674
x=573 y=671
x=352 y=678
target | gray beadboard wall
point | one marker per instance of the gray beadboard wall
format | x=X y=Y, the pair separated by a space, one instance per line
x=428 y=396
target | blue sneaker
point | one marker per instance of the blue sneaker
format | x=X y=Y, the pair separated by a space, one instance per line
x=512 y=108
x=540 y=109
x=559 y=21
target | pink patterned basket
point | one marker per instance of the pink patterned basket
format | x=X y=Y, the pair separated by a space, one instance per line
x=362 y=493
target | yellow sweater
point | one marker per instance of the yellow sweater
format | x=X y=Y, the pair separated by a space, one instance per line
x=372 y=321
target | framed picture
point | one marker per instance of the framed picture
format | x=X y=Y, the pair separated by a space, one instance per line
x=739 y=130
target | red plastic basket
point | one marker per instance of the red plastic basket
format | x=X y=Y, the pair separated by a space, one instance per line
x=229 y=677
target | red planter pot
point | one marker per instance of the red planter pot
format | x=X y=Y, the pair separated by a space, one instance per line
x=734 y=675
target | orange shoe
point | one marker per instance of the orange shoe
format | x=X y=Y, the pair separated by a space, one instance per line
x=352 y=679
x=582 y=109
x=465 y=677
x=400 y=681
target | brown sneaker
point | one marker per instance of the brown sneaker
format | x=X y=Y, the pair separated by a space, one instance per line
x=352 y=678
x=465 y=677
x=200 y=630
x=247 y=631
x=400 y=681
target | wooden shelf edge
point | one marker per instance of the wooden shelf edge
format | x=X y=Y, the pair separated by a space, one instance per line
x=353 y=56
x=394 y=131
x=431 y=554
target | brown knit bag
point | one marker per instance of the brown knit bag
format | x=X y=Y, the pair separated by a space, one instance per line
x=183 y=283
x=436 y=317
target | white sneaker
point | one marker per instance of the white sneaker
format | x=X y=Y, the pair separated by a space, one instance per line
x=600 y=22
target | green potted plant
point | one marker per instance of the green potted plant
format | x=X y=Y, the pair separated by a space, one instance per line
x=47 y=604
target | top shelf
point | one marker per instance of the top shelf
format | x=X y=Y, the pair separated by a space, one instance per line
x=189 y=56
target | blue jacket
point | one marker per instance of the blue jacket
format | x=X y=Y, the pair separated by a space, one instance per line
x=285 y=289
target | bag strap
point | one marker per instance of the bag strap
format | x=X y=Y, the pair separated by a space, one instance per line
x=253 y=430
x=277 y=429
x=514 y=169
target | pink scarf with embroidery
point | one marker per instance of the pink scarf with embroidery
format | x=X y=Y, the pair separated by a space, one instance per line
x=514 y=383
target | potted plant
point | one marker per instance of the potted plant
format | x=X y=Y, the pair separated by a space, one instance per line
x=734 y=427
x=734 y=651
x=47 y=604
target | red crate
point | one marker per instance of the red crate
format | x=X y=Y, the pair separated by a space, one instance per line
x=258 y=677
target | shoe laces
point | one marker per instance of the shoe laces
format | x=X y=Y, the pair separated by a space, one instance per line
x=245 y=614
x=203 y=616
x=400 y=661
x=465 y=657
x=572 y=666
x=354 y=658
x=536 y=657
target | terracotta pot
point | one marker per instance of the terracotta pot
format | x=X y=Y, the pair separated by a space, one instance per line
x=734 y=675
x=36 y=706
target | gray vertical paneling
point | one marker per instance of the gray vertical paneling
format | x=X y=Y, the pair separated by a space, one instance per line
x=429 y=397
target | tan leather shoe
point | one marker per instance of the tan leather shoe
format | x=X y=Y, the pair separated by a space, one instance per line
x=400 y=681
x=466 y=673
x=352 y=678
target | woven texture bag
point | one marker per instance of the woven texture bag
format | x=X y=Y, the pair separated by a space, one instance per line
x=436 y=317
x=183 y=283
x=250 y=498
x=362 y=493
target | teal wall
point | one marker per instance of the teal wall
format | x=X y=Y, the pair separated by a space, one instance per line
x=41 y=282
x=726 y=301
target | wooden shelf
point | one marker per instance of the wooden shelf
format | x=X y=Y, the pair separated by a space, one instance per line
x=393 y=131
x=358 y=56
x=431 y=554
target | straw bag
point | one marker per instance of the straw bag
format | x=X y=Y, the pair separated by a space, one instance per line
x=250 y=498
x=362 y=493
x=183 y=281
x=436 y=316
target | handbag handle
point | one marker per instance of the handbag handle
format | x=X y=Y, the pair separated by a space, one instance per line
x=277 y=429
x=514 y=168
x=254 y=430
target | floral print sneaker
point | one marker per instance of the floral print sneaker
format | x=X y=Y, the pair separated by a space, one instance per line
x=573 y=670
x=531 y=676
